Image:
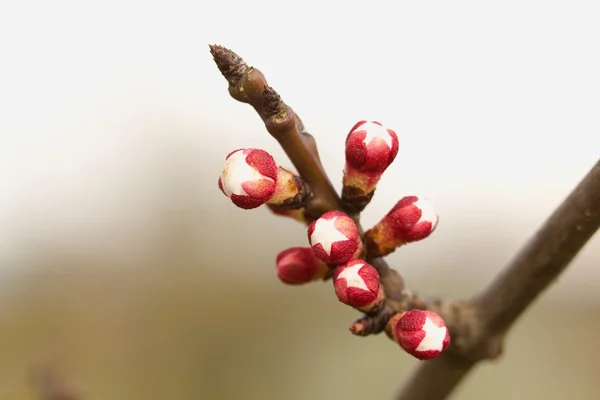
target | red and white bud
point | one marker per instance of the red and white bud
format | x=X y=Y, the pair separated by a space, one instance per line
x=370 y=149
x=334 y=238
x=423 y=334
x=249 y=177
x=298 y=265
x=356 y=284
x=412 y=219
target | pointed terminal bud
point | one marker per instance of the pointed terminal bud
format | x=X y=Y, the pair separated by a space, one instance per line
x=298 y=265
x=356 y=284
x=230 y=64
x=334 y=238
x=370 y=149
x=251 y=178
x=422 y=334
x=234 y=70
x=412 y=219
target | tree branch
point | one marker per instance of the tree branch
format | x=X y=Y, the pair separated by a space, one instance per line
x=478 y=326
x=545 y=256
x=498 y=306
x=248 y=85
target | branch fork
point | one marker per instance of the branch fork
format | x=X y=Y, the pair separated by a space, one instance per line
x=336 y=238
x=353 y=259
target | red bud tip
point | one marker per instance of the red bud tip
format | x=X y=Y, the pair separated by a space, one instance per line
x=334 y=237
x=370 y=147
x=423 y=334
x=249 y=177
x=411 y=219
x=356 y=284
x=298 y=265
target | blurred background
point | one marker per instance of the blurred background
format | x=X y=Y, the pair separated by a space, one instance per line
x=123 y=264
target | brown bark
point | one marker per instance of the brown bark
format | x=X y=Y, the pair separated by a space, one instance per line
x=531 y=271
x=477 y=326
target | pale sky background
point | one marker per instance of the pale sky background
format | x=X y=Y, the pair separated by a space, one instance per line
x=495 y=106
x=115 y=123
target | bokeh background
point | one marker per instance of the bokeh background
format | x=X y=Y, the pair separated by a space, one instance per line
x=123 y=264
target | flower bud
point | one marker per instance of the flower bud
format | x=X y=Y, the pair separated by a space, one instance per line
x=356 y=284
x=334 y=238
x=423 y=334
x=370 y=149
x=298 y=265
x=249 y=177
x=411 y=219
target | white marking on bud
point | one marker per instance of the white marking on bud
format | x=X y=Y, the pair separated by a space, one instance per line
x=434 y=337
x=375 y=131
x=237 y=171
x=326 y=234
x=427 y=212
x=353 y=279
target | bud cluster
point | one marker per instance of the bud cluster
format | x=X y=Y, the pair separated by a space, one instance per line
x=335 y=240
x=251 y=178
